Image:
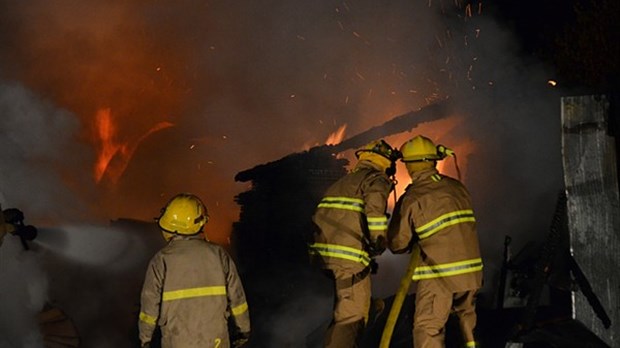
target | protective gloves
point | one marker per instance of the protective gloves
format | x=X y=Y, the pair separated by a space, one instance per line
x=241 y=339
x=377 y=247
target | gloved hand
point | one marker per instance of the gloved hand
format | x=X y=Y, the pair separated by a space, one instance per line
x=377 y=247
x=241 y=339
x=146 y=345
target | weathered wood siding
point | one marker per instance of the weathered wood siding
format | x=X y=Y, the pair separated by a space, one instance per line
x=590 y=176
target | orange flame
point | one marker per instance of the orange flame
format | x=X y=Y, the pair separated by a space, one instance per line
x=337 y=136
x=113 y=156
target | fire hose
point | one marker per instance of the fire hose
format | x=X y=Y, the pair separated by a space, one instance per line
x=399 y=298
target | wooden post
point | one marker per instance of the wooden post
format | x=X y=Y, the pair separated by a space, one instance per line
x=591 y=181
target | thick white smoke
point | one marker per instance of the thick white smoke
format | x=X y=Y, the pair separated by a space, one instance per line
x=23 y=285
x=42 y=162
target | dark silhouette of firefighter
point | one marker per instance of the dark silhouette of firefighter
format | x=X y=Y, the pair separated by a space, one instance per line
x=352 y=226
x=192 y=289
x=12 y=222
x=436 y=213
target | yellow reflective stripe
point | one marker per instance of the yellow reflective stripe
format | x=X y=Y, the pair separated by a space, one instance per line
x=240 y=309
x=149 y=319
x=341 y=252
x=377 y=223
x=354 y=204
x=436 y=177
x=445 y=220
x=447 y=269
x=472 y=344
x=194 y=292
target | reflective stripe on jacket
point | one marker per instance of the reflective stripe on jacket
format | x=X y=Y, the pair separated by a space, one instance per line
x=191 y=289
x=352 y=213
x=435 y=211
x=340 y=252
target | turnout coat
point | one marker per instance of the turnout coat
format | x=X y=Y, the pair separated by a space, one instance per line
x=436 y=212
x=191 y=289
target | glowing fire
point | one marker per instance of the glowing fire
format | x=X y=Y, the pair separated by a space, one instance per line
x=114 y=156
x=337 y=136
x=440 y=132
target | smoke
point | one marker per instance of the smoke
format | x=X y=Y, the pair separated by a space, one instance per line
x=248 y=82
x=38 y=155
x=23 y=285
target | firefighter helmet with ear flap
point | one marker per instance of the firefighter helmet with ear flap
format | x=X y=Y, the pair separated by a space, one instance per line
x=379 y=147
x=421 y=148
x=185 y=214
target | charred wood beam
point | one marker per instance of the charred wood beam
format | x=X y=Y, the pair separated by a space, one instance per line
x=398 y=124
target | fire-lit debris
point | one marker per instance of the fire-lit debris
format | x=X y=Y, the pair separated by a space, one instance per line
x=552 y=83
x=57 y=329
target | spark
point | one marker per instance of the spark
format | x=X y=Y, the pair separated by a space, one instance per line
x=552 y=83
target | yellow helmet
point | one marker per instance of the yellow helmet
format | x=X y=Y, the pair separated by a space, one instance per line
x=379 y=147
x=380 y=153
x=185 y=214
x=421 y=148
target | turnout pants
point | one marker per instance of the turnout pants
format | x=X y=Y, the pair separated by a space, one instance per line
x=351 y=305
x=433 y=305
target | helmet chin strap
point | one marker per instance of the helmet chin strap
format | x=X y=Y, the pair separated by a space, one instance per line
x=391 y=172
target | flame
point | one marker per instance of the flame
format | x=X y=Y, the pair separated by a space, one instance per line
x=114 y=156
x=440 y=132
x=337 y=136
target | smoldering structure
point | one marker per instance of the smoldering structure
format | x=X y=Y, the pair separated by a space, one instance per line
x=534 y=302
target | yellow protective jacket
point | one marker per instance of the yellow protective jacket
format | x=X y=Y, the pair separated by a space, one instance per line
x=352 y=214
x=436 y=212
x=190 y=290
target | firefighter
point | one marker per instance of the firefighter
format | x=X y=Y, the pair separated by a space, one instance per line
x=352 y=226
x=192 y=289
x=436 y=213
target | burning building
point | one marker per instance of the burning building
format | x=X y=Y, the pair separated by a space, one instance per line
x=275 y=225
